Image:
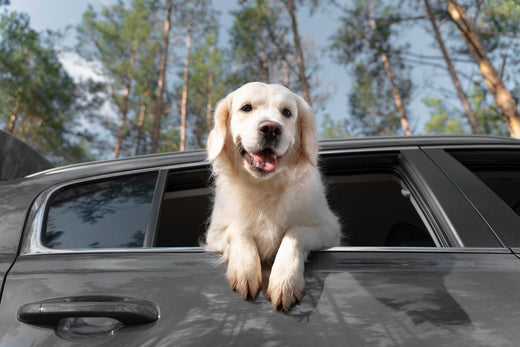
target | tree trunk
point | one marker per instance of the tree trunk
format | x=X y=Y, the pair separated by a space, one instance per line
x=395 y=91
x=285 y=74
x=124 y=107
x=462 y=96
x=162 y=77
x=299 y=53
x=184 y=98
x=502 y=97
x=263 y=55
x=13 y=118
x=140 y=123
x=397 y=97
x=209 y=101
x=34 y=134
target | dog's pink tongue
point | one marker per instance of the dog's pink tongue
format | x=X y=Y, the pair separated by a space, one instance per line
x=265 y=161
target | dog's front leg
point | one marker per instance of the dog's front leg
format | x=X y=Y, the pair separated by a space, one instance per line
x=244 y=271
x=286 y=282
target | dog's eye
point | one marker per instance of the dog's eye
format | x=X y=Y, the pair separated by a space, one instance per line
x=246 y=108
x=287 y=113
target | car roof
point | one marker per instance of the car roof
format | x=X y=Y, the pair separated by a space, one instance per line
x=435 y=140
x=198 y=156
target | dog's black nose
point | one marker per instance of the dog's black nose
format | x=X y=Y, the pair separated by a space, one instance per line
x=271 y=131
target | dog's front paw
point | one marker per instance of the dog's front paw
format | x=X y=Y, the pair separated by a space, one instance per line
x=244 y=274
x=286 y=284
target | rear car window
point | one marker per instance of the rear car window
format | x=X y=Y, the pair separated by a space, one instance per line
x=376 y=210
x=110 y=213
x=498 y=169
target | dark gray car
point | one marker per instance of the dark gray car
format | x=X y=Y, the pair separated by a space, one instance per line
x=107 y=253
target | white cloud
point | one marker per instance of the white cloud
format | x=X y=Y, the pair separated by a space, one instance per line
x=81 y=69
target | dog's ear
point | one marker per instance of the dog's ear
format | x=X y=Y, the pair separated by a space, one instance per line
x=217 y=136
x=308 y=133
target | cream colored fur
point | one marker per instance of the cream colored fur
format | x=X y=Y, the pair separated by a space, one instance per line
x=276 y=218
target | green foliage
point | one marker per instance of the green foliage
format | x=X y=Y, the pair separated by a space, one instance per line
x=125 y=42
x=206 y=86
x=258 y=41
x=332 y=129
x=38 y=96
x=452 y=121
x=488 y=115
x=442 y=120
x=500 y=16
x=359 y=46
x=372 y=105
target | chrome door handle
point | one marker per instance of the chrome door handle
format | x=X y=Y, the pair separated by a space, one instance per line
x=128 y=311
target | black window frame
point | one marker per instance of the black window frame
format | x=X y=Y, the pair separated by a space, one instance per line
x=35 y=225
x=499 y=217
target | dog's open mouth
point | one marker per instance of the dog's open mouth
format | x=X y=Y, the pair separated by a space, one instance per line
x=264 y=161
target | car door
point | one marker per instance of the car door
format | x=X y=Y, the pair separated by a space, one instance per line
x=93 y=289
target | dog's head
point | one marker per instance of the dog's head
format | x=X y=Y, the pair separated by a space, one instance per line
x=264 y=127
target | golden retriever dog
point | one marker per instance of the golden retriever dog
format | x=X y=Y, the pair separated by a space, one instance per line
x=270 y=206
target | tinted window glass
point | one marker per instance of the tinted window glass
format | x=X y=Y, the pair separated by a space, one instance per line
x=376 y=210
x=185 y=209
x=506 y=184
x=499 y=170
x=109 y=213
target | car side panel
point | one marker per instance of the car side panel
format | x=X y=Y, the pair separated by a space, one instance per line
x=15 y=201
x=352 y=297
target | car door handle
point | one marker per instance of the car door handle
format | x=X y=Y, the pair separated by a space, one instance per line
x=128 y=311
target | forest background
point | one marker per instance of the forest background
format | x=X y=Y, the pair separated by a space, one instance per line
x=143 y=76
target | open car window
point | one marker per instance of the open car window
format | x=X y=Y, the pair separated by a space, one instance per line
x=375 y=207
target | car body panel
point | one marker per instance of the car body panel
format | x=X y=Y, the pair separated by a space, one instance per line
x=353 y=297
x=15 y=203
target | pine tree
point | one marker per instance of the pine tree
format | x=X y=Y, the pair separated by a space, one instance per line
x=259 y=42
x=502 y=96
x=453 y=74
x=364 y=41
x=38 y=96
x=299 y=51
x=158 y=113
x=194 y=19
x=118 y=38
x=206 y=86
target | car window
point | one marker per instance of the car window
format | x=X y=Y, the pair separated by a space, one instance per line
x=109 y=213
x=376 y=210
x=366 y=191
x=506 y=184
x=185 y=209
x=498 y=169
